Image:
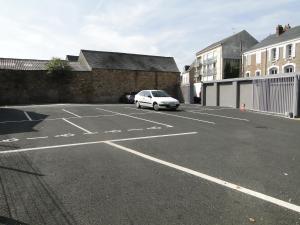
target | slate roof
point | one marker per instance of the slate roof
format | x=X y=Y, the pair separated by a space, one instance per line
x=290 y=34
x=223 y=41
x=125 y=61
x=72 y=58
x=32 y=64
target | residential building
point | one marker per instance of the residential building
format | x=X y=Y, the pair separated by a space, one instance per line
x=222 y=60
x=278 y=53
x=187 y=81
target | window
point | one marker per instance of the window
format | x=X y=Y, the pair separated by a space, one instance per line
x=147 y=94
x=247 y=74
x=257 y=73
x=289 y=51
x=273 y=71
x=258 y=57
x=159 y=94
x=273 y=54
x=248 y=59
x=289 y=69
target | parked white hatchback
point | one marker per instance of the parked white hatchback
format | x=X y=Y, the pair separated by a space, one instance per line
x=156 y=99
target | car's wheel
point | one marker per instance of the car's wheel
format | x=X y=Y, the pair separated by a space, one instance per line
x=138 y=105
x=155 y=107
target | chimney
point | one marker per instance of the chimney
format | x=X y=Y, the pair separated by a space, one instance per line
x=286 y=28
x=279 y=30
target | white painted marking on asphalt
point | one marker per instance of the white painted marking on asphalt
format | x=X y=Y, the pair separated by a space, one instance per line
x=112 y=131
x=211 y=179
x=71 y=113
x=216 y=115
x=64 y=135
x=154 y=128
x=36 y=106
x=139 y=113
x=138 y=118
x=27 y=116
x=34 y=138
x=184 y=117
x=9 y=140
x=137 y=129
x=60 y=118
x=93 y=143
x=91 y=133
x=15 y=121
x=81 y=128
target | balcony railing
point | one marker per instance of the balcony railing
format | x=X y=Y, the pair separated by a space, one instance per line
x=210 y=72
x=209 y=61
x=198 y=63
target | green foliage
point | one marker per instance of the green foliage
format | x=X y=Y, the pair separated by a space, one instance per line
x=56 y=66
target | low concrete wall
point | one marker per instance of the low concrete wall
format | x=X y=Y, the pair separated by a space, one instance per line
x=99 y=86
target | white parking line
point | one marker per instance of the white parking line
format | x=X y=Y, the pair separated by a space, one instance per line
x=71 y=113
x=216 y=115
x=95 y=142
x=53 y=119
x=75 y=125
x=135 y=129
x=183 y=117
x=27 y=116
x=138 y=118
x=211 y=179
x=34 y=138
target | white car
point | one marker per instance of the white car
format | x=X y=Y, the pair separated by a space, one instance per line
x=156 y=99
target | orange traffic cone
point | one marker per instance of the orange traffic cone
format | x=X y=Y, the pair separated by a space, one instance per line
x=243 y=107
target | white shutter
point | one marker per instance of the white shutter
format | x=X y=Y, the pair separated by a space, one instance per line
x=294 y=50
x=269 y=54
x=284 y=51
x=277 y=53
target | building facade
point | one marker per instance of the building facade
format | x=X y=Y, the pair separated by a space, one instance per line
x=222 y=60
x=96 y=77
x=278 y=53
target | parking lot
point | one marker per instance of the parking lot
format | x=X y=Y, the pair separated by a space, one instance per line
x=115 y=164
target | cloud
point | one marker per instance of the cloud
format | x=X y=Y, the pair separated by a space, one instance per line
x=42 y=29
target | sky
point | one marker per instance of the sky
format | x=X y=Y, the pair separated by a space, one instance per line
x=42 y=29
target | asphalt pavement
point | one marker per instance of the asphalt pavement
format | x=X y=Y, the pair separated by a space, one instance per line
x=114 y=164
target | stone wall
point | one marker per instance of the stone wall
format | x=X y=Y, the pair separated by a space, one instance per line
x=97 y=86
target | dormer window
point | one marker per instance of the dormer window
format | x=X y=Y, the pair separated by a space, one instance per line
x=289 y=69
x=273 y=71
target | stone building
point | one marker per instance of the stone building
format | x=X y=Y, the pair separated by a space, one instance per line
x=97 y=77
x=278 y=53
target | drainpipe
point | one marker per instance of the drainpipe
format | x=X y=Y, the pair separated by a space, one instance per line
x=266 y=62
x=296 y=97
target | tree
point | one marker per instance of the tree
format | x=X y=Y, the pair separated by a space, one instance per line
x=56 y=66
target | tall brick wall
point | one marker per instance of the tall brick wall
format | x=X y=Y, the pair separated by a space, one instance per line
x=98 y=86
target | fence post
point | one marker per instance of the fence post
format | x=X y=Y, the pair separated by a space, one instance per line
x=296 y=97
